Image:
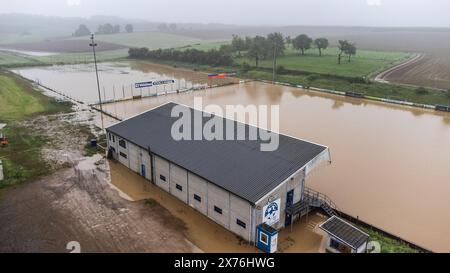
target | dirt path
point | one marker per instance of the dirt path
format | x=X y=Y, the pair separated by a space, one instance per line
x=78 y=205
x=382 y=77
x=411 y=74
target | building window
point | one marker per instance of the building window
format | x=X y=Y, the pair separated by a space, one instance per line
x=109 y=136
x=122 y=144
x=263 y=238
x=198 y=198
x=162 y=177
x=240 y=223
x=179 y=187
x=114 y=138
x=123 y=155
x=218 y=210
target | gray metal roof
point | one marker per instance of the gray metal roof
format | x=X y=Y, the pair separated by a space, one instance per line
x=238 y=166
x=345 y=232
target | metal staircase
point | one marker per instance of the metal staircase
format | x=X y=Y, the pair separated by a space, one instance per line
x=319 y=200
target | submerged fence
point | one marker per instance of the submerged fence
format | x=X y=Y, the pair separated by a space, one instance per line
x=442 y=108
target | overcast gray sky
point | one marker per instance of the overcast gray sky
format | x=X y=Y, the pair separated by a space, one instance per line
x=252 y=12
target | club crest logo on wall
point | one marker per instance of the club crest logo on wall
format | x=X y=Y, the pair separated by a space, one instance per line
x=271 y=212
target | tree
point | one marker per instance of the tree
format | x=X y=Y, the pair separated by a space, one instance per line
x=228 y=49
x=129 y=28
x=238 y=44
x=321 y=44
x=211 y=57
x=347 y=48
x=302 y=42
x=275 y=41
x=248 y=42
x=343 y=46
x=82 y=31
x=288 y=40
x=173 y=27
x=116 y=29
x=105 y=29
x=163 y=27
x=257 y=49
x=351 y=50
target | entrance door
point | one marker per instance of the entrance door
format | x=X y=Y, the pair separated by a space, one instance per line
x=143 y=170
x=289 y=202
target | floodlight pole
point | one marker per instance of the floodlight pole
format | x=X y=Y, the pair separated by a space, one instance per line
x=93 y=44
x=274 y=61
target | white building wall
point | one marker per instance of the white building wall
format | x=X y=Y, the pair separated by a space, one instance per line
x=178 y=177
x=124 y=151
x=296 y=183
x=134 y=156
x=220 y=198
x=198 y=186
x=162 y=171
x=278 y=193
x=242 y=210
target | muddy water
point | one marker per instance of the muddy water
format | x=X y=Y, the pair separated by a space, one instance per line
x=390 y=164
x=116 y=79
x=205 y=233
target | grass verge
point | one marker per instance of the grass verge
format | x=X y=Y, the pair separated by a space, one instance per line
x=389 y=245
x=18 y=101
x=22 y=157
x=381 y=90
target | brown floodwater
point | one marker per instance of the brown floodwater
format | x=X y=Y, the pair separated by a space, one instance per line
x=390 y=164
x=206 y=234
x=117 y=79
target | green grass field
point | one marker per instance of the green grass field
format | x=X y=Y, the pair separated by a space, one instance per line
x=362 y=65
x=19 y=100
x=71 y=58
x=205 y=45
x=6 y=38
x=389 y=245
x=151 y=40
x=10 y=60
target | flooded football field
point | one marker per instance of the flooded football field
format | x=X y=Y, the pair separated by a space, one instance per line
x=390 y=164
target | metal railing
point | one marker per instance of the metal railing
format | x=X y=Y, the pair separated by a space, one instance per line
x=317 y=199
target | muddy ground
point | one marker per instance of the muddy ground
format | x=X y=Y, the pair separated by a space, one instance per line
x=76 y=203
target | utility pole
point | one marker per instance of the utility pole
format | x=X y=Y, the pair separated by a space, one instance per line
x=93 y=44
x=274 y=61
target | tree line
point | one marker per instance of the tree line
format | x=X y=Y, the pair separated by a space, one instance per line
x=107 y=28
x=213 y=57
x=273 y=45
